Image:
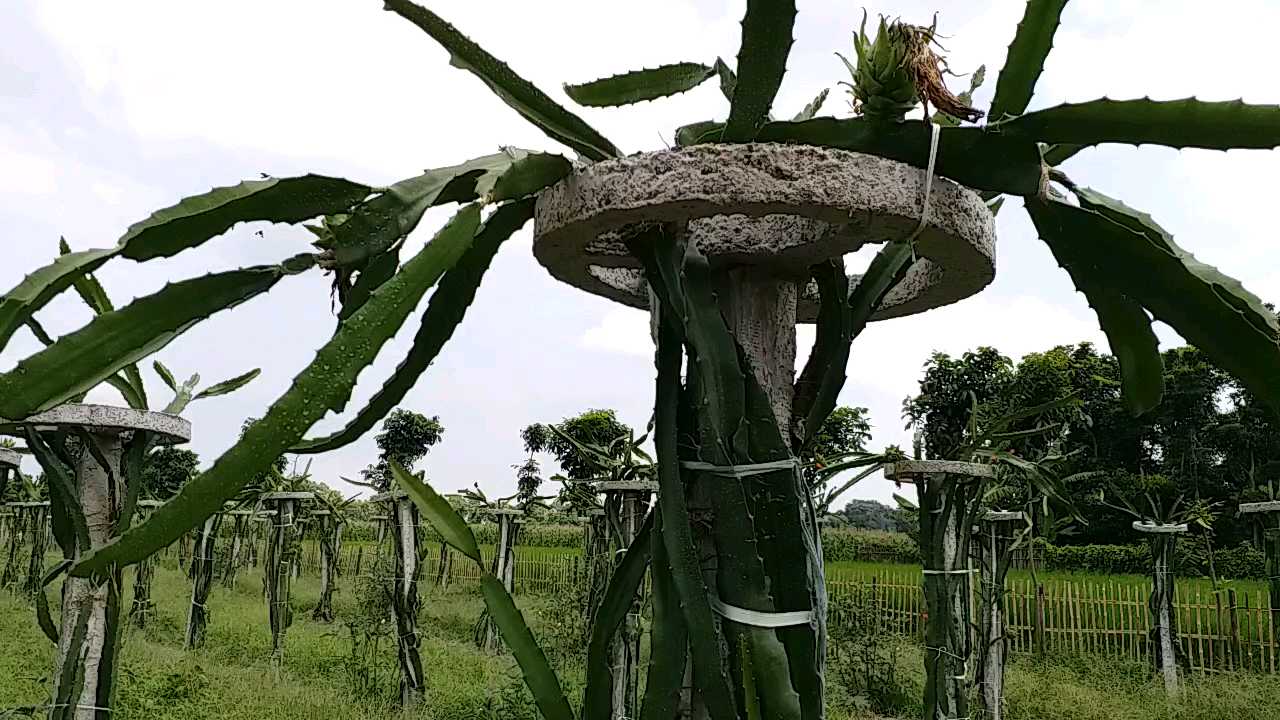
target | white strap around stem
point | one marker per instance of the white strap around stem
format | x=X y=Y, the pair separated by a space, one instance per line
x=741 y=471
x=755 y=618
x=935 y=129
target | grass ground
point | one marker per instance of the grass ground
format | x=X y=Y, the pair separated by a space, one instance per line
x=1091 y=688
x=232 y=677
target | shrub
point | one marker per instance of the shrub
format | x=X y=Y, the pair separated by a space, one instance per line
x=1242 y=561
x=369 y=625
x=1104 y=559
x=863 y=652
x=841 y=545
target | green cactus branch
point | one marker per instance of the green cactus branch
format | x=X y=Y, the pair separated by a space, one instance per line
x=640 y=85
x=377 y=225
x=325 y=385
x=811 y=110
x=79 y=361
x=198 y=218
x=971 y=156
x=617 y=602
x=661 y=257
x=189 y=223
x=1212 y=311
x=762 y=61
x=1025 y=60
x=517 y=92
x=444 y=313
x=1174 y=123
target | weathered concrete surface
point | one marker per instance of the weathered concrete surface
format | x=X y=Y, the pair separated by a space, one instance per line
x=909 y=470
x=627 y=486
x=171 y=429
x=10 y=458
x=784 y=207
x=1004 y=516
x=1159 y=529
x=760 y=310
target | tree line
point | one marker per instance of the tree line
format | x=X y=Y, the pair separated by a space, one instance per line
x=1210 y=441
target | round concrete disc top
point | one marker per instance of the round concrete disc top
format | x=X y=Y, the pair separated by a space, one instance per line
x=909 y=470
x=1260 y=507
x=782 y=206
x=169 y=429
x=10 y=458
x=1159 y=528
x=1005 y=516
x=646 y=486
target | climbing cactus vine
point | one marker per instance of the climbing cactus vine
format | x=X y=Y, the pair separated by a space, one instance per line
x=729 y=239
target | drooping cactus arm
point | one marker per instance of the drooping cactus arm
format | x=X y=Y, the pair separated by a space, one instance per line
x=444 y=312
x=640 y=85
x=523 y=97
x=185 y=225
x=839 y=322
x=1214 y=312
x=326 y=384
x=116 y=340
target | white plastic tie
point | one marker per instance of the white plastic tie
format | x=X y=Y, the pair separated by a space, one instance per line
x=755 y=618
x=928 y=189
x=741 y=471
x=962 y=571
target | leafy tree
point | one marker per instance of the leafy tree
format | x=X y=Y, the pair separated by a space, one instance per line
x=166 y=470
x=869 y=515
x=405 y=438
x=593 y=427
x=846 y=430
x=1209 y=439
x=591 y=446
x=948 y=392
x=528 y=479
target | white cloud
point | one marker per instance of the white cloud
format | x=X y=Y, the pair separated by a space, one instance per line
x=624 y=330
x=350 y=83
x=26 y=172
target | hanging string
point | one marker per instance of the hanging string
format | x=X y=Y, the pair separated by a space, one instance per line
x=928 y=189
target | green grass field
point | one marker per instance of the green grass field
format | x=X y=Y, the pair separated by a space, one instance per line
x=231 y=677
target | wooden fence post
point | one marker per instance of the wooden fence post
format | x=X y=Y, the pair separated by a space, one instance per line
x=1236 y=657
x=1037 y=633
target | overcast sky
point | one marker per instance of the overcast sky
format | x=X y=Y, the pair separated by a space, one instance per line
x=111 y=110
